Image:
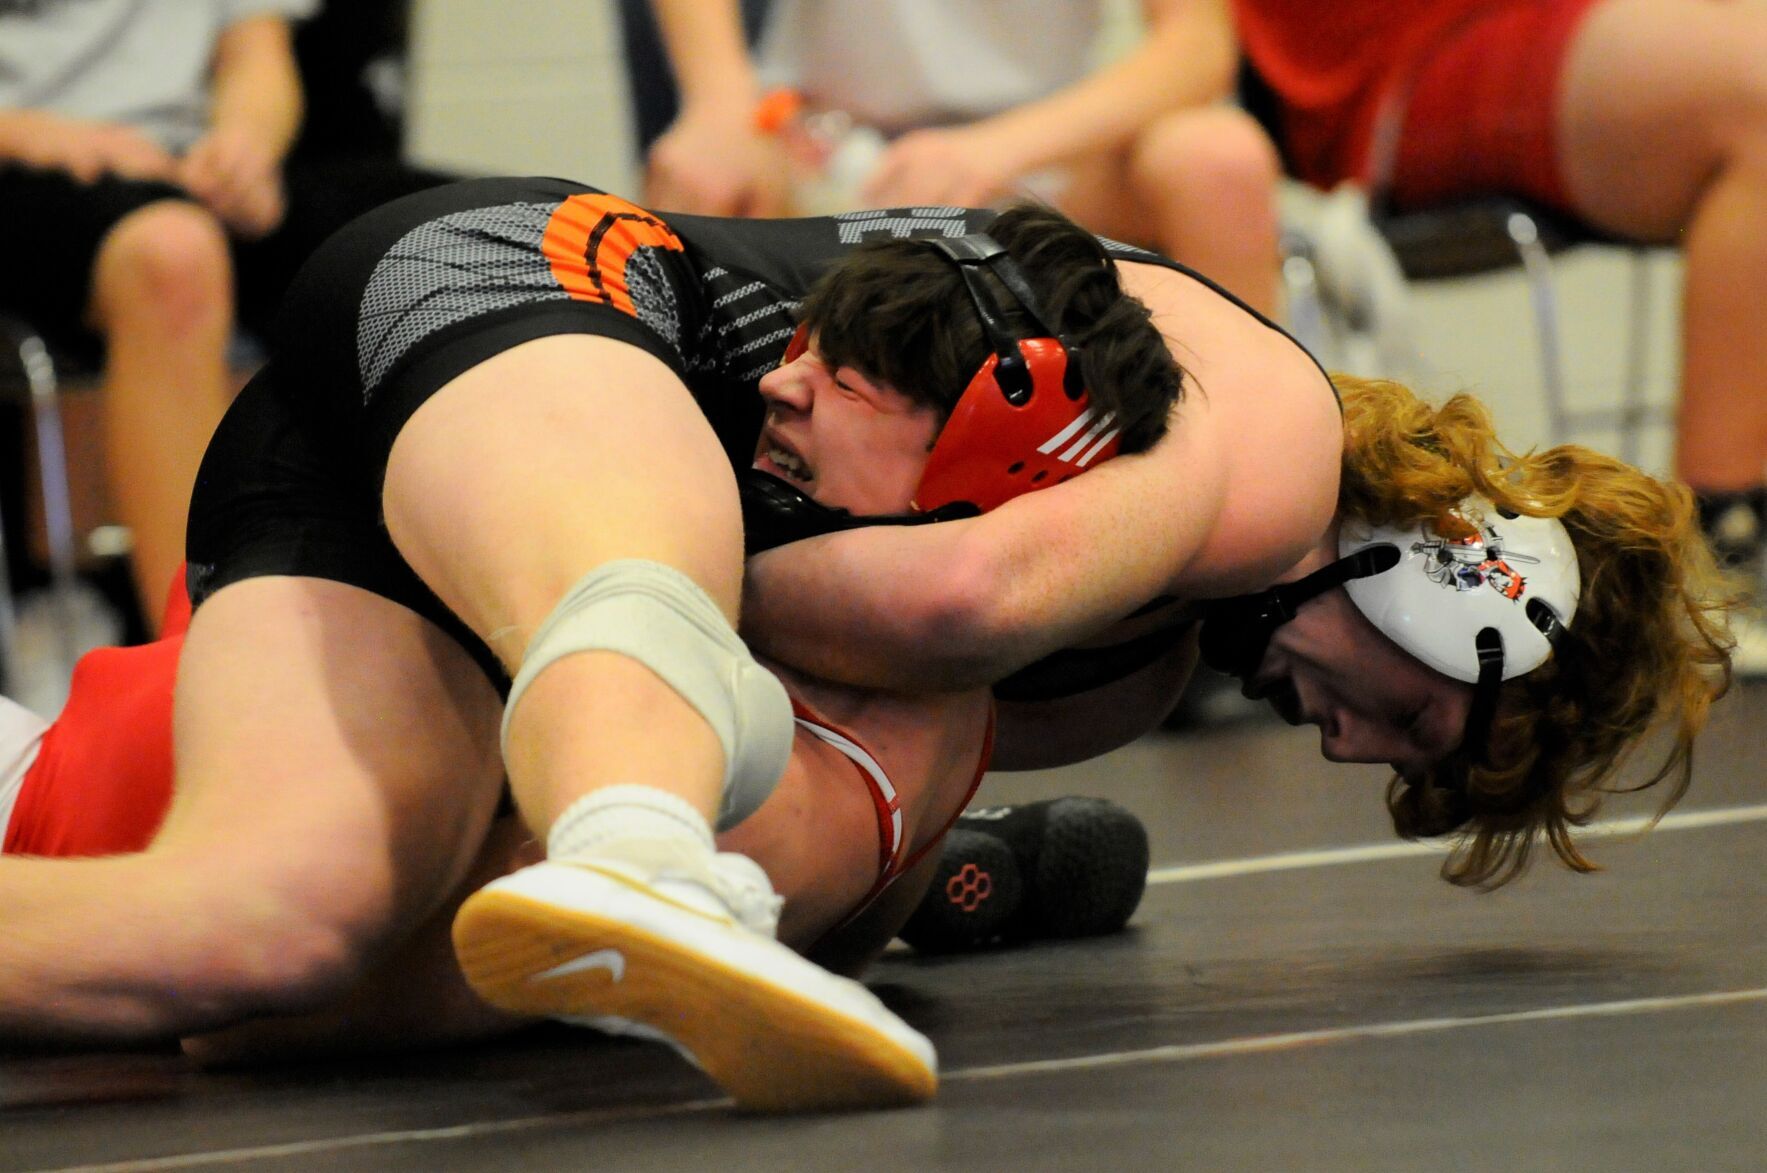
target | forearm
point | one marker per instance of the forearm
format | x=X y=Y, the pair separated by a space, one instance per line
x=1188 y=57
x=962 y=603
x=255 y=86
x=19 y=129
x=842 y=608
x=709 y=54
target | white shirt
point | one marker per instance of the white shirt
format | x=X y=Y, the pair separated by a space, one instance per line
x=142 y=63
x=901 y=64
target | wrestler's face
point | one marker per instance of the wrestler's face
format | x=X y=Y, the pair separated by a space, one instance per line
x=846 y=441
x=1373 y=702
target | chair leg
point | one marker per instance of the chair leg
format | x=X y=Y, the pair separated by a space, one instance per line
x=8 y=623
x=1537 y=264
x=1306 y=313
x=1633 y=411
x=58 y=515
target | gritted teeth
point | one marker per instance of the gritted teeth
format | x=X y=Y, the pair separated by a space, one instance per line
x=790 y=463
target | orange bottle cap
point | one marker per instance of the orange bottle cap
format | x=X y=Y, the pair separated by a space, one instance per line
x=776 y=110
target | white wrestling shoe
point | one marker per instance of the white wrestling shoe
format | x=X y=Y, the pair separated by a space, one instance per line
x=662 y=940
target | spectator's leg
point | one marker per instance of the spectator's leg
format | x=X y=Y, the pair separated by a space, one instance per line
x=162 y=297
x=1198 y=185
x=1663 y=120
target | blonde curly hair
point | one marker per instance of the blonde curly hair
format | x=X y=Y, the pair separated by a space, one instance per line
x=1649 y=646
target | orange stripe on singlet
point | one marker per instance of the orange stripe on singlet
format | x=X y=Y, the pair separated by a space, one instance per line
x=589 y=240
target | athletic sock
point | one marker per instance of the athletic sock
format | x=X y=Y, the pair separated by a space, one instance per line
x=1735 y=523
x=616 y=813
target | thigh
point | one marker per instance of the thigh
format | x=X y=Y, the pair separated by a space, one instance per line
x=50 y=235
x=540 y=463
x=413 y=294
x=280 y=493
x=1655 y=94
x=415 y=997
x=335 y=752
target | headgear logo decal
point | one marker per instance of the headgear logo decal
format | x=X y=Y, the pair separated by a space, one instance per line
x=1474 y=561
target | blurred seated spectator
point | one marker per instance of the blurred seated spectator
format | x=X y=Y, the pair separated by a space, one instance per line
x=349 y=155
x=143 y=146
x=981 y=103
x=1645 y=118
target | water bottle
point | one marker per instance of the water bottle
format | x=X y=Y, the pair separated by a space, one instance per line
x=828 y=154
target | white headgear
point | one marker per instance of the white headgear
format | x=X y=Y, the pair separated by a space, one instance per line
x=1508 y=572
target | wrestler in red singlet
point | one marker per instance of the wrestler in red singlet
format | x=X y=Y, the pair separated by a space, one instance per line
x=103 y=775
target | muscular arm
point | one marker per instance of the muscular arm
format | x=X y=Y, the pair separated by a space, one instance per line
x=949 y=606
x=1242 y=485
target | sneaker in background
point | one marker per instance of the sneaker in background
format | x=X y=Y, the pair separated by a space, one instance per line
x=1736 y=526
x=1068 y=867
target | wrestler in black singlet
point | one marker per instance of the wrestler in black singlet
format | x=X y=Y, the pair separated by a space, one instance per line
x=419 y=291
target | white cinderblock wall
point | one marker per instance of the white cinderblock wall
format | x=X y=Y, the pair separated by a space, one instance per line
x=521 y=87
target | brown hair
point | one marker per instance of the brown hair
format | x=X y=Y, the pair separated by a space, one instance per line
x=898 y=311
x=1648 y=646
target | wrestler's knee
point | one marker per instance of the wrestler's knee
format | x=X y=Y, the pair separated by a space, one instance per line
x=654 y=614
x=168 y=261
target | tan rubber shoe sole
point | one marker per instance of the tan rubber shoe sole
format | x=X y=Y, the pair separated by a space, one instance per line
x=776 y=1032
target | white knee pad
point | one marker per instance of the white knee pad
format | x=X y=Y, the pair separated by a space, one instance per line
x=661 y=618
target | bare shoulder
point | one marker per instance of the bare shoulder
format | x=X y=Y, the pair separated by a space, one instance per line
x=1258 y=432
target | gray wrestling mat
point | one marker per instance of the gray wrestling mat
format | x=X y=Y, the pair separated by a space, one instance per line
x=1297 y=992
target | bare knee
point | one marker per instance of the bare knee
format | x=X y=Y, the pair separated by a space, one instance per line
x=1214 y=158
x=167 y=265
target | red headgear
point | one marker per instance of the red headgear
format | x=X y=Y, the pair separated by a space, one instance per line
x=1024 y=422
x=994 y=448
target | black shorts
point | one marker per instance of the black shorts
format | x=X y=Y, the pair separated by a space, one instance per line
x=272 y=498
x=51 y=226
